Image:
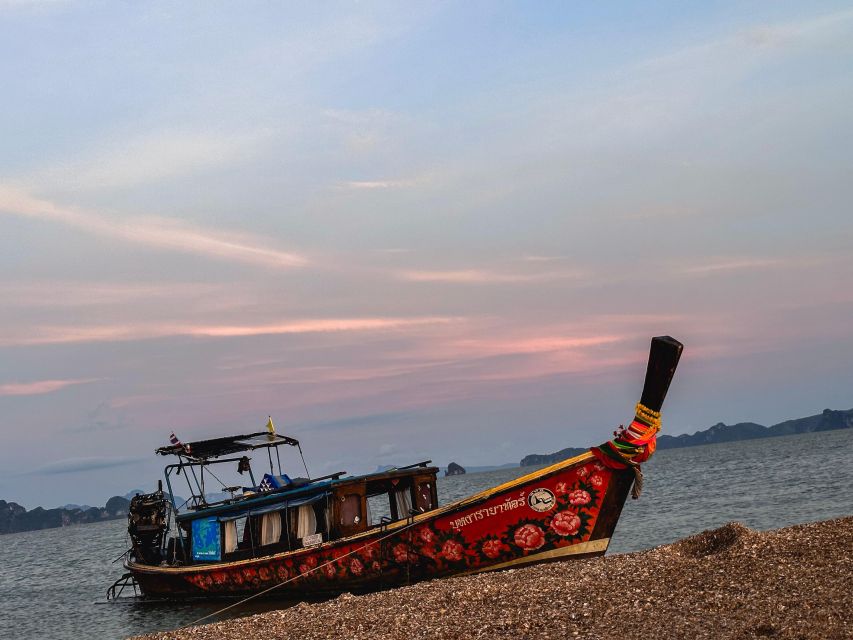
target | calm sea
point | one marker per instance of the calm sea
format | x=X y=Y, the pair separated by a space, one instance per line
x=52 y=583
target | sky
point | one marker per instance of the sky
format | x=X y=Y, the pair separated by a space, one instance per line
x=412 y=231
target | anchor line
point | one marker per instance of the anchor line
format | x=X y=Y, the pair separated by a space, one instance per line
x=296 y=577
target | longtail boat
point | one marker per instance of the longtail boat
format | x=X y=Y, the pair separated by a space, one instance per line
x=302 y=537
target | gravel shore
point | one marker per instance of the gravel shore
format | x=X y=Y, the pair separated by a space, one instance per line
x=730 y=582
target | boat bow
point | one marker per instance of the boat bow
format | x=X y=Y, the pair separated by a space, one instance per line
x=634 y=444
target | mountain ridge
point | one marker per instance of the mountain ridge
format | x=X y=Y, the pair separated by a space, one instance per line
x=827 y=420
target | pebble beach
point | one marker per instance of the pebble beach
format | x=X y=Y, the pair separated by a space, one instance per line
x=731 y=582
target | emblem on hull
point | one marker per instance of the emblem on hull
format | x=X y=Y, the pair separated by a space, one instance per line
x=541 y=499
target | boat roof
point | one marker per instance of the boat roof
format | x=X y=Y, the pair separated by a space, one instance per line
x=215 y=447
x=320 y=486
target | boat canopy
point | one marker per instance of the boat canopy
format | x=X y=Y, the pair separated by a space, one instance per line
x=206 y=449
x=278 y=506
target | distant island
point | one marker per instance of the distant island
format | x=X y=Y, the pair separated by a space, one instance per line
x=828 y=420
x=15 y=518
x=454 y=469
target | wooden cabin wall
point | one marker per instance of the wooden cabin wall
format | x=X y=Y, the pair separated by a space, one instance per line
x=343 y=524
x=424 y=498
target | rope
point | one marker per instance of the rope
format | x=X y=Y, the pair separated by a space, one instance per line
x=217 y=479
x=637 y=487
x=296 y=577
x=299 y=446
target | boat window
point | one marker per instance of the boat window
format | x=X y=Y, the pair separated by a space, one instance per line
x=350 y=510
x=423 y=497
x=378 y=507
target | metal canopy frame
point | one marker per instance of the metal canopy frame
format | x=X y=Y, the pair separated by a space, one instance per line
x=215 y=447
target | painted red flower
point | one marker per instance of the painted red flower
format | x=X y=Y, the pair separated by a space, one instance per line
x=452 y=550
x=492 y=548
x=427 y=535
x=562 y=487
x=369 y=552
x=566 y=523
x=329 y=570
x=376 y=567
x=583 y=472
x=429 y=552
x=579 y=497
x=340 y=557
x=401 y=552
x=304 y=568
x=311 y=561
x=282 y=572
x=596 y=480
x=356 y=567
x=529 y=536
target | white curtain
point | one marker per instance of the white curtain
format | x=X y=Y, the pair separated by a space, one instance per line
x=229 y=544
x=403 y=498
x=306 y=522
x=270 y=528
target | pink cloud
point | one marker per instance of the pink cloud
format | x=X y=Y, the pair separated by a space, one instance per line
x=112 y=333
x=537 y=344
x=316 y=326
x=39 y=387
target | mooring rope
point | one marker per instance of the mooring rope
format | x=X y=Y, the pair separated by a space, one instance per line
x=637 y=487
x=296 y=577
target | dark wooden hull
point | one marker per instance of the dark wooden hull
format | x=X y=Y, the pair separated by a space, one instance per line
x=566 y=511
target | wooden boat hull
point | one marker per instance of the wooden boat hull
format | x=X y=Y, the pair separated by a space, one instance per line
x=565 y=511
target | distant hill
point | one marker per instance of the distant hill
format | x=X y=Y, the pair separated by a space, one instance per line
x=15 y=518
x=536 y=459
x=494 y=467
x=828 y=420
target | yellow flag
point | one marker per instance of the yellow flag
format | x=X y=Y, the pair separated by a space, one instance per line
x=270 y=426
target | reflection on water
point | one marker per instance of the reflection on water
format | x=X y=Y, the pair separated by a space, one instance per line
x=51 y=581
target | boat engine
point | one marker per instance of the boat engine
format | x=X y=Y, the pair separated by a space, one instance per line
x=147 y=523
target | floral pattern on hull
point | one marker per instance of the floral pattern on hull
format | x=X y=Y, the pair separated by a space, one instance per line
x=501 y=528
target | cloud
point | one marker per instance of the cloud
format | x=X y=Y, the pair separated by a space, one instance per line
x=370 y=420
x=62 y=293
x=81 y=465
x=533 y=258
x=537 y=344
x=317 y=326
x=736 y=264
x=819 y=30
x=104 y=417
x=481 y=276
x=150 y=158
x=114 y=333
x=40 y=387
x=33 y=4
x=378 y=184
x=159 y=233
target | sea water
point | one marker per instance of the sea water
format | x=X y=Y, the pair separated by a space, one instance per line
x=53 y=582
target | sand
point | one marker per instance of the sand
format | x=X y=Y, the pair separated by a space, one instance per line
x=730 y=582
